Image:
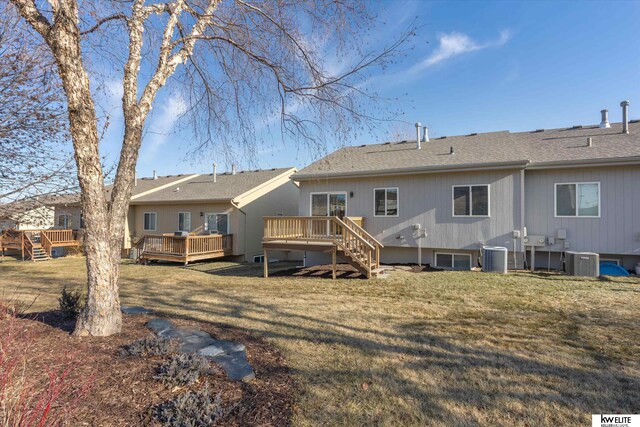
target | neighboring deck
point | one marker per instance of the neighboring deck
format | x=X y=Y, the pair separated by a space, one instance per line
x=37 y=245
x=184 y=249
x=344 y=237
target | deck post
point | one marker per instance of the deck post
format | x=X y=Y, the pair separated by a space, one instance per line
x=266 y=264
x=333 y=262
x=186 y=251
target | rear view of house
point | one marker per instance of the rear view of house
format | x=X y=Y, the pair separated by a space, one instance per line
x=440 y=200
x=185 y=218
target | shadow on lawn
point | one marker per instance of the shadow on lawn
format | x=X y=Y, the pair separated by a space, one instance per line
x=470 y=376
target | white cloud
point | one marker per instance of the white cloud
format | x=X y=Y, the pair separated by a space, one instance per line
x=455 y=44
x=163 y=123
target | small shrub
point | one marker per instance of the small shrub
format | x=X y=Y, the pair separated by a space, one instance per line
x=183 y=369
x=70 y=303
x=149 y=346
x=26 y=399
x=191 y=409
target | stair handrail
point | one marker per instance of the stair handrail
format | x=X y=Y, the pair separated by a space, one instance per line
x=27 y=244
x=375 y=245
x=46 y=243
x=370 y=253
x=363 y=233
x=138 y=245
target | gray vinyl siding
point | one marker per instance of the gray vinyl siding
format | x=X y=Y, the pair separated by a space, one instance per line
x=427 y=199
x=617 y=231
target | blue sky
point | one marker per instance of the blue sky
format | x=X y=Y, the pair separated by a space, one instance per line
x=477 y=66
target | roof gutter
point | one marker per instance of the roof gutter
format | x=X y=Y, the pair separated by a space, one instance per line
x=519 y=164
x=563 y=164
x=170 y=202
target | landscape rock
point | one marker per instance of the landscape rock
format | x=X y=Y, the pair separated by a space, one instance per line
x=210 y=351
x=229 y=346
x=134 y=310
x=194 y=343
x=158 y=325
x=230 y=355
x=236 y=365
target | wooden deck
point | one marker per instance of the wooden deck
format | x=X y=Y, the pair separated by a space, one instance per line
x=342 y=237
x=184 y=249
x=35 y=245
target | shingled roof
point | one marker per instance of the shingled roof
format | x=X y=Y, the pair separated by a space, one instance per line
x=540 y=148
x=191 y=187
x=201 y=188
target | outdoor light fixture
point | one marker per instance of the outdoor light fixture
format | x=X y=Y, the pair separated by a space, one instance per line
x=201 y=213
x=351 y=194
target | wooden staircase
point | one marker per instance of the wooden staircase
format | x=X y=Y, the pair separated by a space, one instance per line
x=39 y=254
x=344 y=237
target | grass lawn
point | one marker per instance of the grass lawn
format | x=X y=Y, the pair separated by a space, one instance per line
x=442 y=348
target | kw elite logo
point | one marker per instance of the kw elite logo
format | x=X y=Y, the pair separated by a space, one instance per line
x=615 y=420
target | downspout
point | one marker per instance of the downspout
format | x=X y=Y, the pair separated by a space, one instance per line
x=235 y=205
x=522 y=210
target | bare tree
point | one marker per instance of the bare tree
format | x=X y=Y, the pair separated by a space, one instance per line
x=231 y=59
x=35 y=161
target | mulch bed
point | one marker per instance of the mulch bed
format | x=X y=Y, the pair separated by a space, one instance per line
x=123 y=391
x=343 y=271
x=323 y=271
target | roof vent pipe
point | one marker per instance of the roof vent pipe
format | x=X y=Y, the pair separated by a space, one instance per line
x=451 y=151
x=590 y=140
x=604 y=123
x=233 y=169
x=625 y=116
x=418 y=126
x=425 y=134
x=215 y=172
x=155 y=174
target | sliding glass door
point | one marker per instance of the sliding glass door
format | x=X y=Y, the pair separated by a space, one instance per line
x=329 y=204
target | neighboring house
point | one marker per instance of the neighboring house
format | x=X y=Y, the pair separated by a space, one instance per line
x=25 y=215
x=229 y=203
x=577 y=187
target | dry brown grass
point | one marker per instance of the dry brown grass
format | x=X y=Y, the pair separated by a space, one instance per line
x=446 y=348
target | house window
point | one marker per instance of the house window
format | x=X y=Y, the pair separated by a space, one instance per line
x=217 y=222
x=63 y=221
x=453 y=261
x=184 y=221
x=385 y=202
x=150 y=221
x=329 y=204
x=258 y=258
x=581 y=199
x=471 y=200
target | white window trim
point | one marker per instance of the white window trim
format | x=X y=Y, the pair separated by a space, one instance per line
x=471 y=215
x=453 y=254
x=613 y=260
x=155 y=221
x=555 y=200
x=190 y=224
x=67 y=220
x=346 y=200
x=206 y=224
x=385 y=202
x=260 y=259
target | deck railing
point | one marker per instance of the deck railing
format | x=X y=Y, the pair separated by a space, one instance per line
x=56 y=236
x=26 y=240
x=181 y=248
